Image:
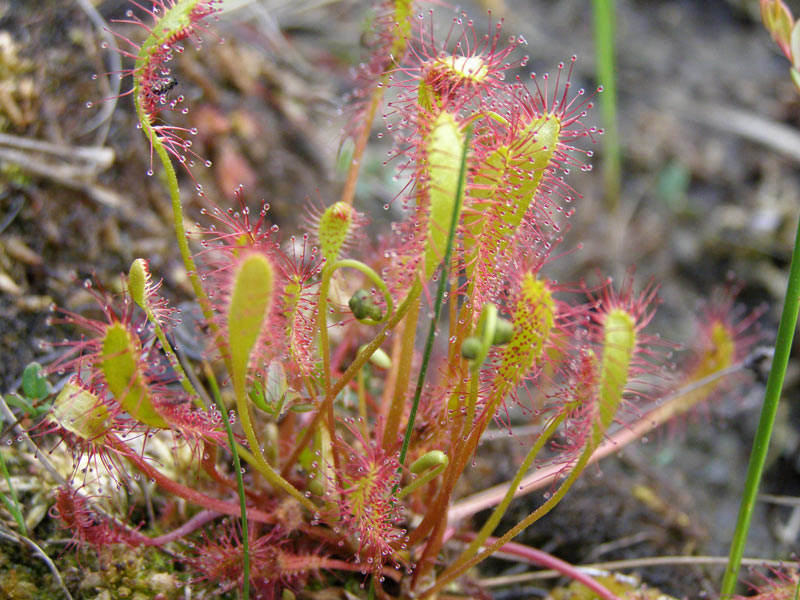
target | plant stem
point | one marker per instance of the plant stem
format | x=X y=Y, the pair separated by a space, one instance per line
x=758 y=455
x=274 y=478
x=177 y=210
x=543 y=559
x=237 y=467
x=397 y=406
x=604 y=32
x=352 y=371
x=671 y=407
x=454 y=571
x=174 y=360
x=490 y=525
x=177 y=489
x=322 y=318
x=634 y=563
x=423 y=478
x=349 y=190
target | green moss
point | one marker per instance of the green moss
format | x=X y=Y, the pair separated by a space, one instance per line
x=114 y=573
x=23 y=576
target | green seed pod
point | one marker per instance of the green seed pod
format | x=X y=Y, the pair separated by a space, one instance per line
x=359 y=304
x=248 y=313
x=122 y=371
x=375 y=312
x=471 y=348
x=363 y=307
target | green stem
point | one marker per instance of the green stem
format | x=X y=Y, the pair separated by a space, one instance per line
x=322 y=317
x=490 y=525
x=237 y=467
x=174 y=360
x=274 y=478
x=472 y=401
x=177 y=210
x=322 y=324
x=359 y=362
x=604 y=33
x=758 y=455
x=456 y=570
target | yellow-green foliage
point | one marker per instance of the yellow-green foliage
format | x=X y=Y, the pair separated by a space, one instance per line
x=334 y=227
x=122 y=372
x=444 y=146
x=506 y=184
x=80 y=412
x=619 y=344
x=719 y=354
x=534 y=315
x=247 y=313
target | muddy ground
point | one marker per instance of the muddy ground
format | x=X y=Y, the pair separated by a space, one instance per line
x=710 y=130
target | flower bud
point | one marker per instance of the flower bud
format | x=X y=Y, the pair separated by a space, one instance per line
x=363 y=307
x=334 y=228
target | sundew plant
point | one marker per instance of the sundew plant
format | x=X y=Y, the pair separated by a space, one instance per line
x=320 y=441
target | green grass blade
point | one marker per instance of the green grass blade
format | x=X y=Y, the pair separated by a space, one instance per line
x=758 y=454
x=604 y=42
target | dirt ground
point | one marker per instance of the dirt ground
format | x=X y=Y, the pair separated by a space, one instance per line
x=710 y=130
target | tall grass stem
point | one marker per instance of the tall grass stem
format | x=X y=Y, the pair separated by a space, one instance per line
x=758 y=454
x=605 y=52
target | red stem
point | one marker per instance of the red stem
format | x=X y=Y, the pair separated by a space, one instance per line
x=180 y=490
x=543 y=559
